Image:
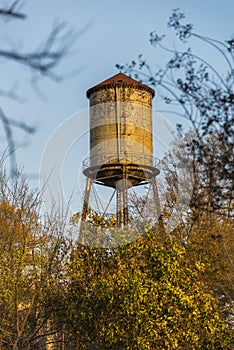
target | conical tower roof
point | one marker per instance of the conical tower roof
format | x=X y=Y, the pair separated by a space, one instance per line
x=120 y=79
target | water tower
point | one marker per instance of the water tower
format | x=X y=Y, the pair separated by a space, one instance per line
x=121 y=141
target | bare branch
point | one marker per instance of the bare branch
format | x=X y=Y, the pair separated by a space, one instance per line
x=8 y=124
x=42 y=62
x=21 y=125
x=10 y=141
x=47 y=58
x=12 y=94
x=11 y=12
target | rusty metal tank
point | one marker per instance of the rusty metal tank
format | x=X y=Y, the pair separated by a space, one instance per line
x=121 y=144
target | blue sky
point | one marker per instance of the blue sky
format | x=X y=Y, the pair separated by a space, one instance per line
x=116 y=32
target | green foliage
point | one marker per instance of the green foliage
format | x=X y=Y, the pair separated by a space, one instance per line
x=155 y=293
x=145 y=295
x=30 y=267
x=102 y=231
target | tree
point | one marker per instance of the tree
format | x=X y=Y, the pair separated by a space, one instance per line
x=200 y=91
x=144 y=295
x=31 y=259
x=206 y=234
x=43 y=62
x=211 y=242
x=195 y=89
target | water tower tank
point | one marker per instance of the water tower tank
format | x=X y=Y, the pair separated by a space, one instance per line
x=121 y=144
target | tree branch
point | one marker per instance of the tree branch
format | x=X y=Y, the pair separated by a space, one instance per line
x=11 y=11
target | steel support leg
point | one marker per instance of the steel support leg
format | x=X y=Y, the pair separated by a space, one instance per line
x=122 y=200
x=157 y=205
x=85 y=209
